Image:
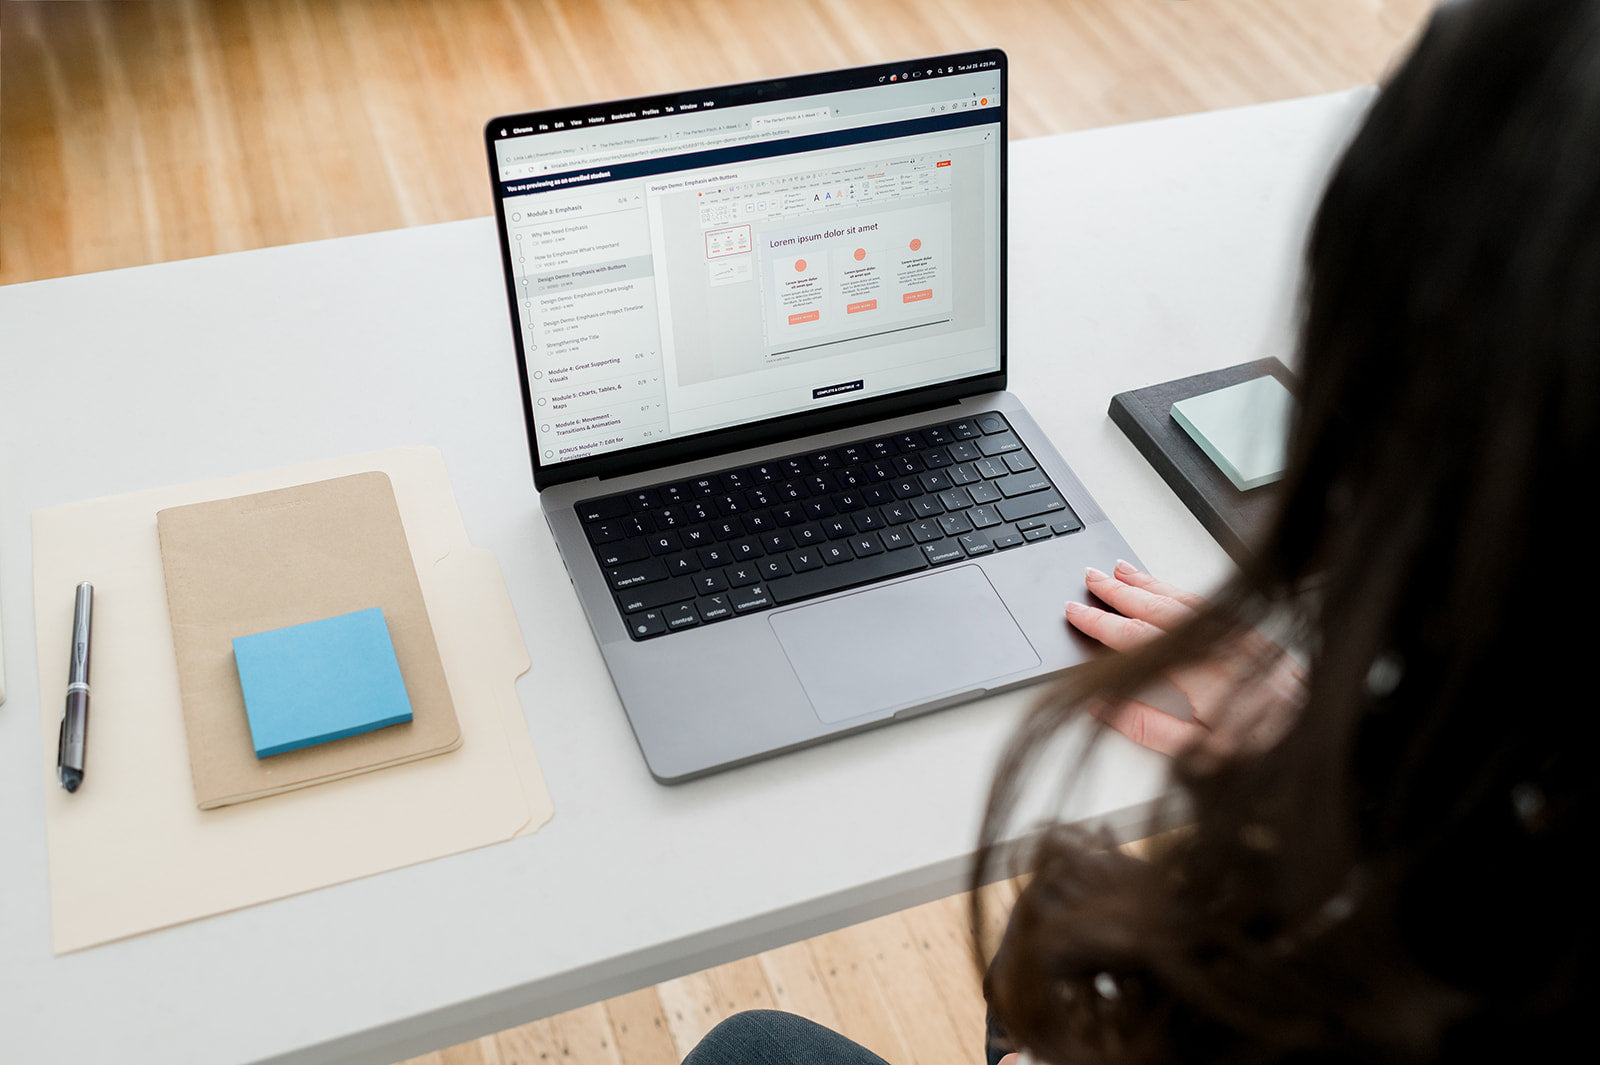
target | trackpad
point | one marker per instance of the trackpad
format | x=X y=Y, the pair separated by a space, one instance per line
x=902 y=645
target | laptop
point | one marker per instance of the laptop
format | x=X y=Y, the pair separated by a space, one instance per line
x=761 y=330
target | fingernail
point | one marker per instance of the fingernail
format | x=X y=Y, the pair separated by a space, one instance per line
x=1124 y=566
x=1096 y=575
x=1075 y=607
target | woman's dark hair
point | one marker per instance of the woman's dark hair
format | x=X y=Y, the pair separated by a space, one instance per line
x=1401 y=876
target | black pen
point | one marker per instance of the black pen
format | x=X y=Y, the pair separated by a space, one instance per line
x=75 y=719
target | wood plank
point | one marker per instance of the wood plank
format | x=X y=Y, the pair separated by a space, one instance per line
x=641 y=1029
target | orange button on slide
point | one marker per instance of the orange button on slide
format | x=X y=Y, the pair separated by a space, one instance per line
x=808 y=316
x=913 y=297
x=864 y=305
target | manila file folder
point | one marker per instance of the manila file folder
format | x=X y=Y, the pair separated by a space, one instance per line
x=235 y=567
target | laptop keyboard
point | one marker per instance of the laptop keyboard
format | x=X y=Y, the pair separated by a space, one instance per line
x=689 y=553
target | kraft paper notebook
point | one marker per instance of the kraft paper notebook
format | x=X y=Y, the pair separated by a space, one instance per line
x=249 y=564
x=131 y=852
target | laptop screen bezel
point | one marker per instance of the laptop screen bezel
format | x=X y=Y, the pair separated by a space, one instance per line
x=772 y=429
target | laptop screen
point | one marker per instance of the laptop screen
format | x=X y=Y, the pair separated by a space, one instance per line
x=683 y=264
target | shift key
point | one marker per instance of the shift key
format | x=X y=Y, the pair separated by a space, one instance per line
x=1030 y=506
x=656 y=594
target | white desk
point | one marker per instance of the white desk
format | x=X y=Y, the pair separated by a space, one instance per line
x=1138 y=254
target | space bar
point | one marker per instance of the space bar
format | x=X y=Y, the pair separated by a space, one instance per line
x=832 y=578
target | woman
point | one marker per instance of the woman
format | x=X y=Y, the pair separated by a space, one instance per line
x=1386 y=859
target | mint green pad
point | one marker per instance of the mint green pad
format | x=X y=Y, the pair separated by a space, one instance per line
x=1244 y=428
x=320 y=681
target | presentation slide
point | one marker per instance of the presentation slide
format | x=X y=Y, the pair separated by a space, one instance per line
x=854 y=276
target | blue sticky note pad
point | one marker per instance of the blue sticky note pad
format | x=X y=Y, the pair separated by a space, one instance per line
x=324 y=680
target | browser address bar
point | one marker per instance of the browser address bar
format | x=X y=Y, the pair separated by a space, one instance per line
x=759 y=128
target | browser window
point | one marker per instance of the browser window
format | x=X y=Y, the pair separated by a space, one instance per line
x=685 y=264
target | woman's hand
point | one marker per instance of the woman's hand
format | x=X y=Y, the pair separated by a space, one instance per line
x=1244 y=699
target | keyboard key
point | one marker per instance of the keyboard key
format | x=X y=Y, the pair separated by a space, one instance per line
x=992 y=468
x=955 y=499
x=833 y=578
x=836 y=553
x=1069 y=524
x=894 y=539
x=877 y=495
x=868 y=520
x=1019 y=461
x=1020 y=484
x=1037 y=534
x=992 y=422
x=777 y=542
x=681 y=563
x=965 y=430
x=742 y=574
x=983 y=517
x=848 y=501
x=955 y=524
x=644 y=499
x=1030 y=506
x=976 y=544
x=754 y=597
x=984 y=492
x=713 y=608
x=710 y=581
x=661 y=543
x=620 y=551
x=865 y=546
x=648 y=624
x=682 y=616
x=824 y=460
x=1002 y=444
x=944 y=551
x=965 y=451
x=715 y=556
x=773 y=567
x=636 y=573
x=1007 y=539
x=601 y=509
x=926 y=531
x=655 y=595
x=805 y=558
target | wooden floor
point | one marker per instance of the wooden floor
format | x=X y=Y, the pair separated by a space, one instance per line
x=140 y=131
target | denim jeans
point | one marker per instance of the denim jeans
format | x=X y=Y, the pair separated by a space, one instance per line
x=771 y=1037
